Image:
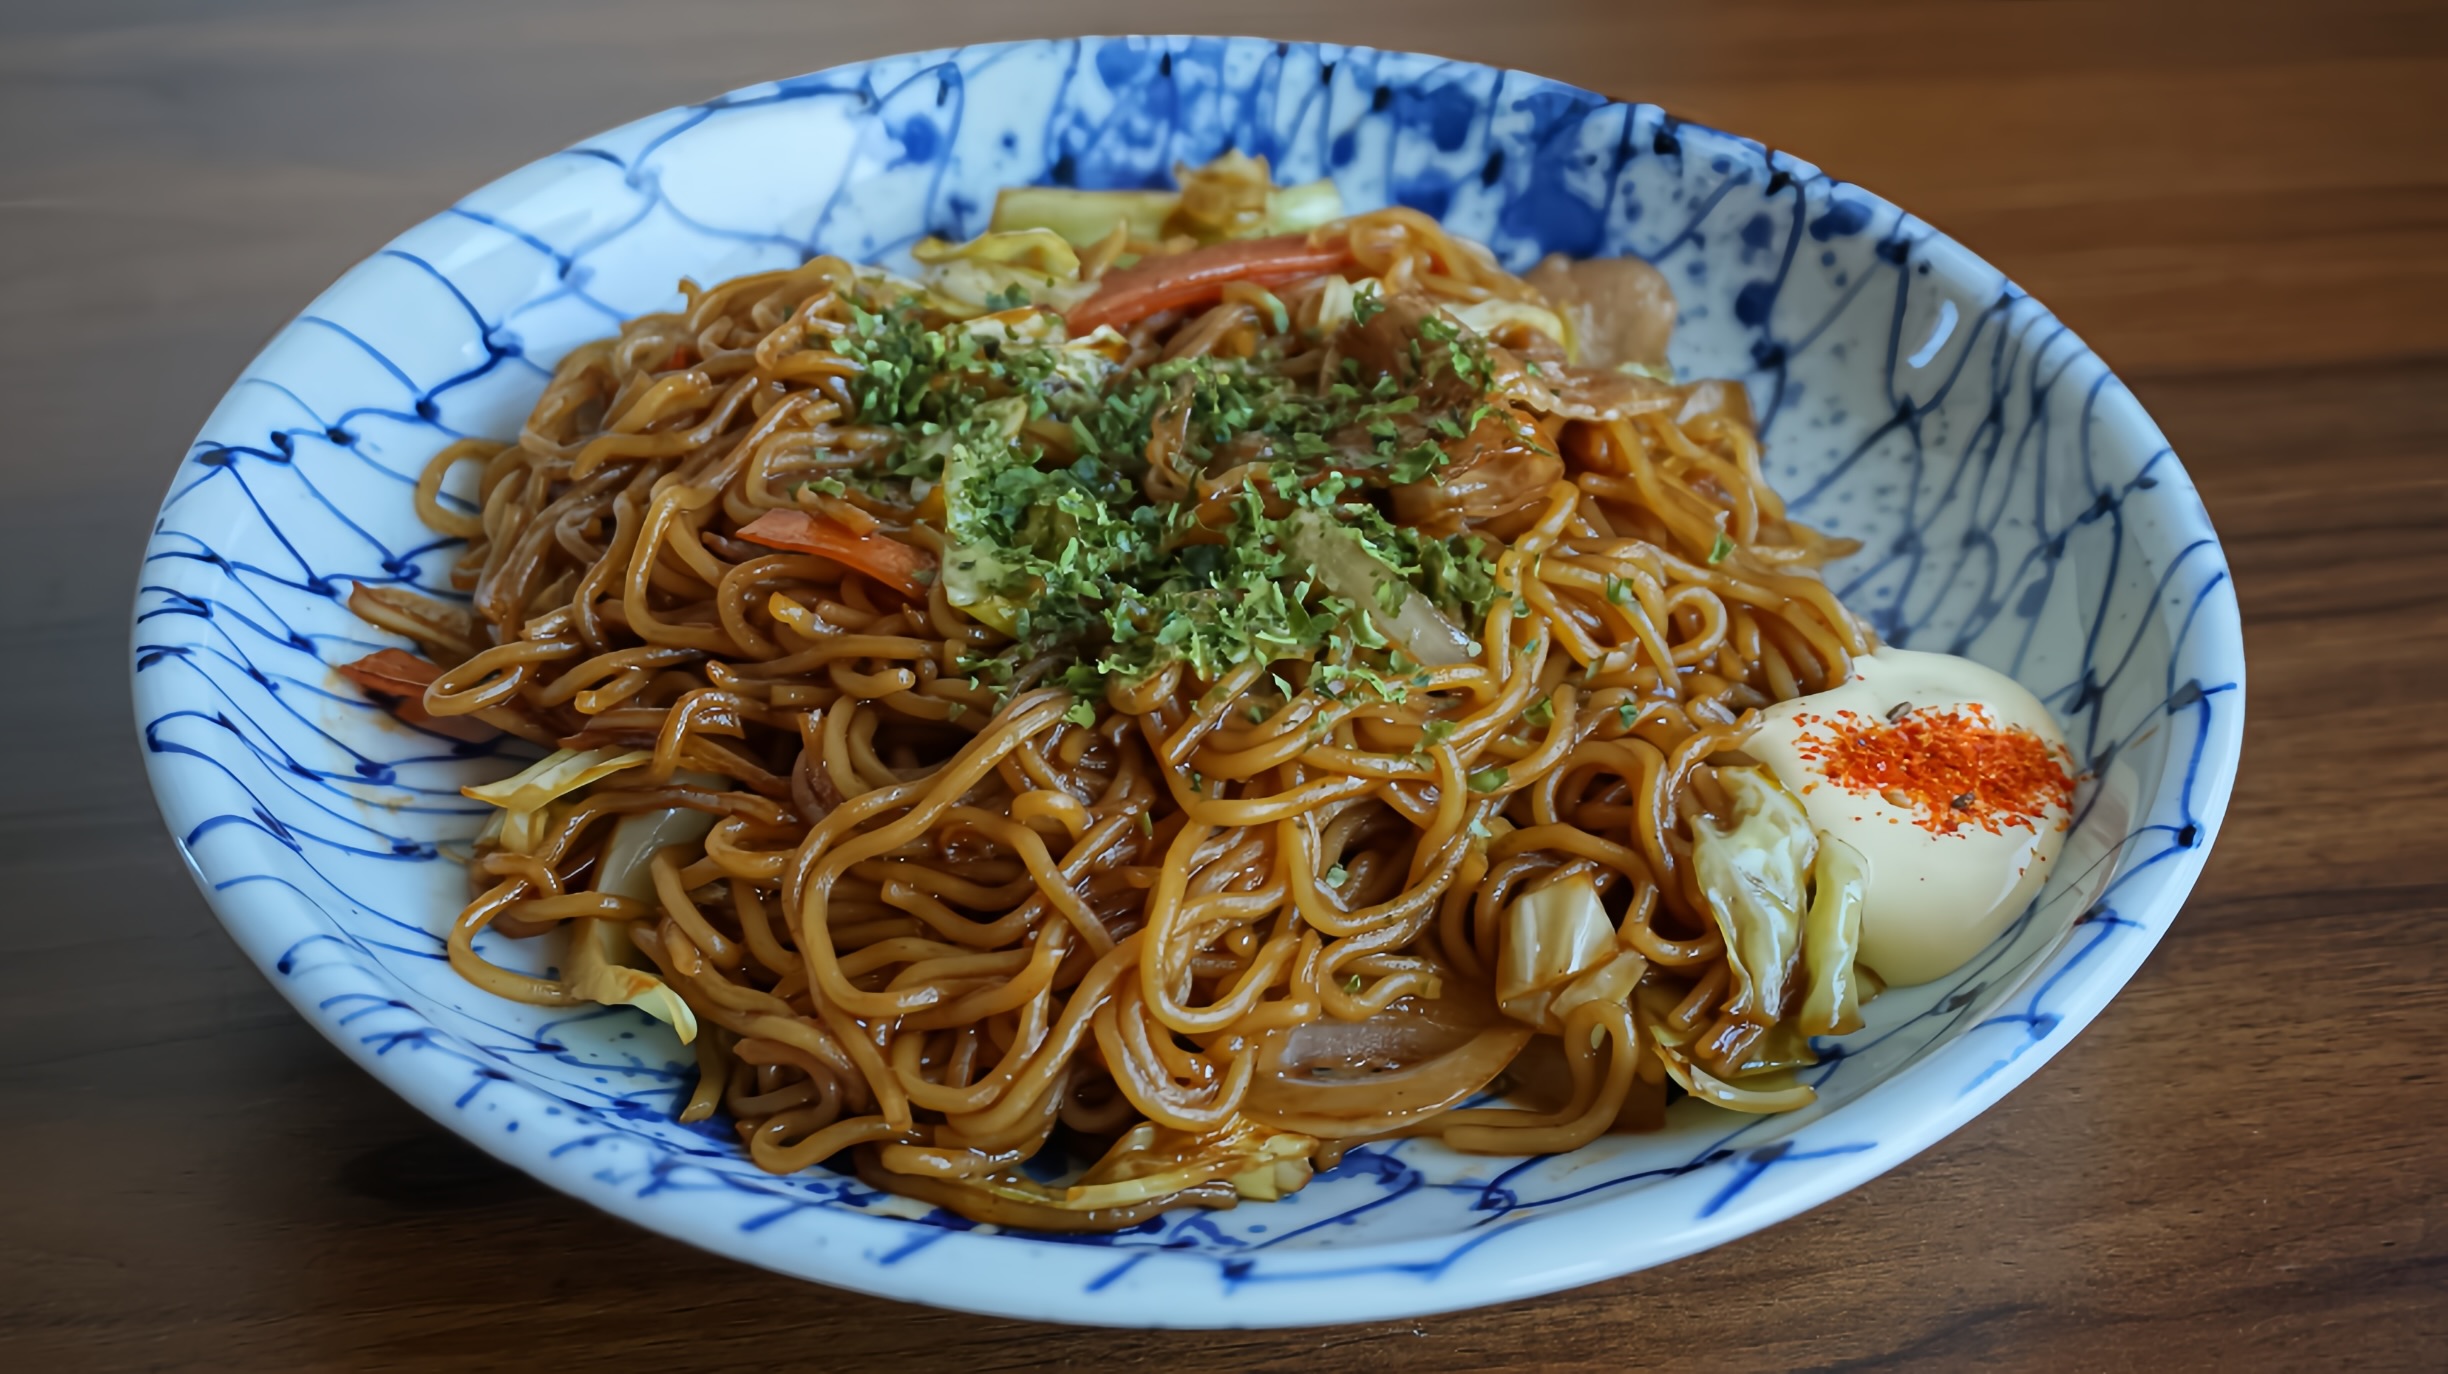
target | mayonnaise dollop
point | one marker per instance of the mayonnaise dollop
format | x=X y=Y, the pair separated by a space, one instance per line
x=1945 y=874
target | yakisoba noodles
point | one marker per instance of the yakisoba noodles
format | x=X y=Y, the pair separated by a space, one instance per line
x=1189 y=683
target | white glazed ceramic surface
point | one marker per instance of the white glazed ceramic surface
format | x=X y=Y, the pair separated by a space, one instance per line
x=2015 y=503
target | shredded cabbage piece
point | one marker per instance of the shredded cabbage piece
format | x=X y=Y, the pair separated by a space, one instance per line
x=524 y=795
x=1768 y=1090
x=1308 y=205
x=1781 y=1046
x=1024 y=324
x=1831 y=940
x=1083 y=217
x=1557 y=950
x=599 y=973
x=998 y=270
x=1612 y=981
x=974 y=566
x=1752 y=877
x=1770 y=1094
x=1151 y=1162
x=1232 y=197
x=555 y=775
x=1549 y=936
x=1039 y=250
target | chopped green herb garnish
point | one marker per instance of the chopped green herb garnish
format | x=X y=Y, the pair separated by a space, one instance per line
x=1366 y=304
x=1719 y=550
x=1489 y=779
x=1065 y=549
x=1541 y=713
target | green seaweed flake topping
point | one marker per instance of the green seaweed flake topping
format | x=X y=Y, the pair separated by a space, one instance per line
x=1041 y=451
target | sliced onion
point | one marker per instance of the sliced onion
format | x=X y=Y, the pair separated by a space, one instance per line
x=635 y=838
x=1376 y=1103
x=604 y=967
x=1418 y=1057
x=622 y=870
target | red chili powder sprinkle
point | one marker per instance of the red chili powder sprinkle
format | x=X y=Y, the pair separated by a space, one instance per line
x=1953 y=765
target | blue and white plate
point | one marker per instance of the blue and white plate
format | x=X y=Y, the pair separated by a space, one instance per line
x=2014 y=502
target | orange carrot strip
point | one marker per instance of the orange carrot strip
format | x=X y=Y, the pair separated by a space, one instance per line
x=881 y=557
x=393 y=672
x=402 y=677
x=1184 y=279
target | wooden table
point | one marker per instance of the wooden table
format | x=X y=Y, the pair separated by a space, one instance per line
x=2243 y=1164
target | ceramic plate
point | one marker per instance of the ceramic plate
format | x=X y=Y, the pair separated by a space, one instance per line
x=2014 y=502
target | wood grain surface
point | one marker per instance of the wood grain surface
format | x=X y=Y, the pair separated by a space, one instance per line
x=2242 y=1165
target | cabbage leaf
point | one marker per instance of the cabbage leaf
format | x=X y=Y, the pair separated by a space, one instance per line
x=1831 y=939
x=1753 y=877
x=1557 y=950
x=524 y=795
x=599 y=972
x=1232 y=197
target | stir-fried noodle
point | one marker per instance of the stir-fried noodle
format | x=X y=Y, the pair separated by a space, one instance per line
x=1195 y=701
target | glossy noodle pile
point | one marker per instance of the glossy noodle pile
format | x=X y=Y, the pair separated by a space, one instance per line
x=1184 y=685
